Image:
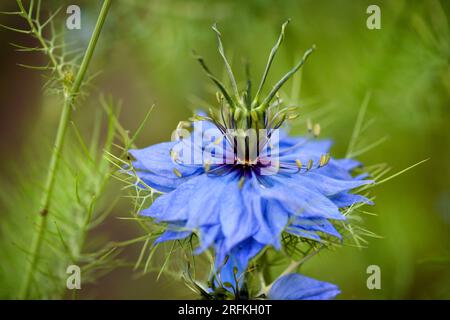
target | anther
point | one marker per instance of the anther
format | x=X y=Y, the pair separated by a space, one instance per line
x=324 y=160
x=207 y=166
x=177 y=173
x=316 y=130
x=299 y=164
x=310 y=164
x=309 y=125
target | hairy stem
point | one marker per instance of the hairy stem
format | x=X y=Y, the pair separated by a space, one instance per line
x=69 y=100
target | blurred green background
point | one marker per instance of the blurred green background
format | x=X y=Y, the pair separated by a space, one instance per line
x=145 y=58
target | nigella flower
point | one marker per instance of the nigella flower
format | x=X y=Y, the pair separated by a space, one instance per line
x=295 y=286
x=239 y=181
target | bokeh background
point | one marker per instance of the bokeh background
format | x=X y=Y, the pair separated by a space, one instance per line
x=145 y=57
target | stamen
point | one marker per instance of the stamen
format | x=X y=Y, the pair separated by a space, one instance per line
x=309 y=125
x=293 y=116
x=324 y=160
x=177 y=173
x=207 y=166
x=183 y=124
x=173 y=155
x=316 y=130
x=310 y=164
x=299 y=164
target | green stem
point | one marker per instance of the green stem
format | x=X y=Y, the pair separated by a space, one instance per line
x=69 y=100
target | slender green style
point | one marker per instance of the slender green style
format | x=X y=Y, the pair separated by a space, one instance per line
x=69 y=99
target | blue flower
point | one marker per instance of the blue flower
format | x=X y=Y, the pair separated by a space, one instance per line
x=298 y=287
x=238 y=181
x=235 y=206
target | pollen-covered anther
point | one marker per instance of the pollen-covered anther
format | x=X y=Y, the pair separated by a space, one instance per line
x=177 y=173
x=309 y=125
x=207 y=166
x=316 y=130
x=310 y=164
x=324 y=159
x=299 y=164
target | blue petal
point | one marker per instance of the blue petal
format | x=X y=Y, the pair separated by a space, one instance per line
x=237 y=220
x=362 y=176
x=341 y=168
x=328 y=186
x=298 y=287
x=156 y=167
x=272 y=220
x=314 y=225
x=347 y=163
x=303 y=233
x=304 y=150
x=348 y=199
x=160 y=183
x=239 y=257
x=333 y=170
x=208 y=235
x=206 y=204
x=172 y=235
x=301 y=200
x=296 y=145
x=173 y=206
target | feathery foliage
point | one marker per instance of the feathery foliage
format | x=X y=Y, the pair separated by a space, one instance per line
x=75 y=178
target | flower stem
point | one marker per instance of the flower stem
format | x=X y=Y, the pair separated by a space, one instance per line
x=69 y=99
